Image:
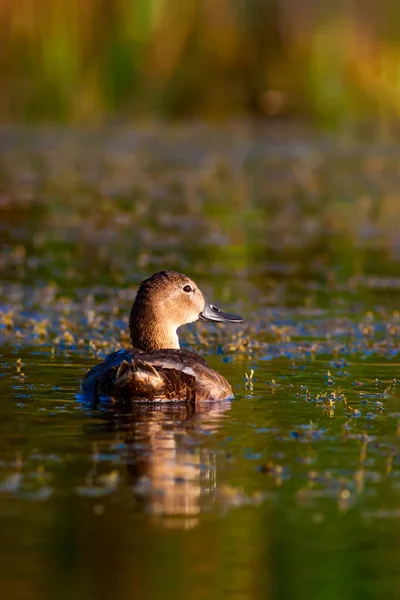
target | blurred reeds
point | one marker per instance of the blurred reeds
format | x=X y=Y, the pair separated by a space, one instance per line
x=87 y=60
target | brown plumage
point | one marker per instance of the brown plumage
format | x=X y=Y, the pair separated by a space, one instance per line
x=156 y=369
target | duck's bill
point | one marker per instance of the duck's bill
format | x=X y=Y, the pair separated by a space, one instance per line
x=213 y=313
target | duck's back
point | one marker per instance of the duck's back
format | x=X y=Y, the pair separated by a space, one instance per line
x=156 y=376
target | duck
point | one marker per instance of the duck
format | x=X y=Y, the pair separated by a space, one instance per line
x=156 y=368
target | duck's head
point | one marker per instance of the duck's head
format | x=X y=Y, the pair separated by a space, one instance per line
x=166 y=301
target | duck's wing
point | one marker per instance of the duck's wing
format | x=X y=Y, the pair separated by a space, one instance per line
x=180 y=360
x=166 y=375
x=157 y=376
x=141 y=380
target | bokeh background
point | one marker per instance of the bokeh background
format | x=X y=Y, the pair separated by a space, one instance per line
x=336 y=62
x=240 y=131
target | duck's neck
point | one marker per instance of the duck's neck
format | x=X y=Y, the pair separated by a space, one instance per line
x=148 y=333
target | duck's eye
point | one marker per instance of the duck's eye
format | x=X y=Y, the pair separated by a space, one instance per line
x=187 y=288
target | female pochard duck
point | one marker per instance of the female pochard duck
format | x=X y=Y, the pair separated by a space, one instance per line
x=156 y=369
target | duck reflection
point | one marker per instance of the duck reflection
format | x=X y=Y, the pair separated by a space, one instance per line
x=173 y=476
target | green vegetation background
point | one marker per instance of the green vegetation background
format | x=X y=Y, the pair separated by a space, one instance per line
x=86 y=61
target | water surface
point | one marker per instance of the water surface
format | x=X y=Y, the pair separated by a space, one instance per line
x=292 y=489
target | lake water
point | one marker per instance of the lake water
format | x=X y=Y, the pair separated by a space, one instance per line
x=291 y=490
